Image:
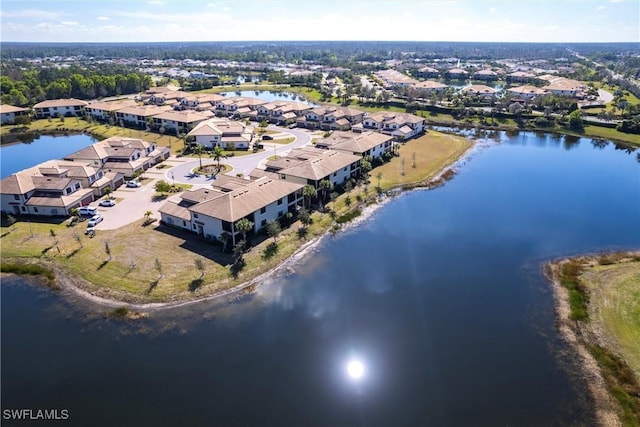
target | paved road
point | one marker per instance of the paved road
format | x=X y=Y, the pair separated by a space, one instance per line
x=181 y=173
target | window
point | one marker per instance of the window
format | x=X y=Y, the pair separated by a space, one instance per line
x=335 y=174
x=195 y=215
x=16 y=197
x=184 y=223
x=283 y=176
x=263 y=223
x=263 y=210
x=280 y=213
x=35 y=209
x=344 y=170
x=279 y=202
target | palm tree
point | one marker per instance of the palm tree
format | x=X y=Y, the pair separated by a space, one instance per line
x=274 y=229
x=198 y=150
x=244 y=226
x=379 y=177
x=217 y=154
x=224 y=238
x=325 y=186
x=308 y=192
x=147 y=216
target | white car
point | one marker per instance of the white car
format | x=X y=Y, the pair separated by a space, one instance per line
x=107 y=202
x=133 y=184
x=88 y=210
x=95 y=220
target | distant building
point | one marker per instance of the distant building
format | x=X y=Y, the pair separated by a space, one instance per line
x=60 y=108
x=8 y=113
x=222 y=132
x=363 y=144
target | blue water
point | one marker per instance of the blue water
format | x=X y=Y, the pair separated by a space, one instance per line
x=20 y=156
x=268 y=96
x=439 y=295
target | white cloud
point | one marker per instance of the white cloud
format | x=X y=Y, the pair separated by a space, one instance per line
x=103 y=18
x=493 y=10
x=616 y=1
x=70 y=23
x=601 y=7
x=31 y=14
x=156 y=2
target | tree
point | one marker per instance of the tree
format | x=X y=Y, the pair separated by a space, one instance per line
x=147 y=217
x=304 y=216
x=107 y=192
x=309 y=192
x=198 y=150
x=325 y=187
x=217 y=154
x=244 y=226
x=238 y=252
x=224 y=238
x=274 y=229
x=379 y=177
x=575 y=121
x=162 y=186
x=347 y=201
x=200 y=266
x=365 y=167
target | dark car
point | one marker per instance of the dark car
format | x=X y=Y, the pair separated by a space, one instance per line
x=267 y=137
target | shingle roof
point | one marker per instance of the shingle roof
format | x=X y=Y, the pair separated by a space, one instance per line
x=69 y=102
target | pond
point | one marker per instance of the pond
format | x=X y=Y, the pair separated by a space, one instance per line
x=19 y=156
x=269 y=96
x=434 y=311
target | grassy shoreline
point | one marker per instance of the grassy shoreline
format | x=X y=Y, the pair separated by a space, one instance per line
x=598 y=317
x=127 y=272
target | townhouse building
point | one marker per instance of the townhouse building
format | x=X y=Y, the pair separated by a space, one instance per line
x=210 y=212
x=402 y=126
x=9 y=113
x=222 y=132
x=69 y=107
x=363 y=144
x=330 y=118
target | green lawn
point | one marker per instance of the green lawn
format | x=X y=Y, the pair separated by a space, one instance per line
x=615 y=305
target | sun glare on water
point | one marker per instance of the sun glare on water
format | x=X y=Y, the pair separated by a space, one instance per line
x=355 y=369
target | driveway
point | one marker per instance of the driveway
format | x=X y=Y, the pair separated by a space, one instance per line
x=181 y=173
x=132 y=203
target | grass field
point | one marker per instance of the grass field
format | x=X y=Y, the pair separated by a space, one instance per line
x=615 y=305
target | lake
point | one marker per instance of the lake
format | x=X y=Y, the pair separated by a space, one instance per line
x=434 y=311
x=19 y=156
x=269 y=96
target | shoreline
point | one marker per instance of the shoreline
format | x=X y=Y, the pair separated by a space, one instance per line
x=579 y=336
x=79 y=286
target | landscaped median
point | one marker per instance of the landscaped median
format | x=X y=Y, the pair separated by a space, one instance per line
x=155 y=263
x=598 y=309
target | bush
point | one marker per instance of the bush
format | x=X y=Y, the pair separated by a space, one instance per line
x=348 y=216
x=163 y=186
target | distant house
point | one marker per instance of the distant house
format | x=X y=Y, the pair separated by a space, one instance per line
x=140 y=116
x=427 y=73
x=566 y=87
x=180 y=121
x=212 y=212
x=330 y=118
x=238 y=106
x=202 y=101
x=485 y=93
x=104 y=111
x=429 y=86
x=282 y=112
x=392 y=78
x=8 y=113
x=222 y=132
x=457 y=74
x=402 y=126
x=524 y=93
x=486 y=75
x=59 y=108
x=520 y=77
x=363 y=144
x=126 y=156
x=312 y=165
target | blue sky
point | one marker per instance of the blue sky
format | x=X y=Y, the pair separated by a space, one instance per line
x=421 y=20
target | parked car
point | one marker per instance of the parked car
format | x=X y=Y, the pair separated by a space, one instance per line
x=88 y=210
x=90 y=231
x=95 y=220
x=133 y=184
x=107 y=202
x=267 y=137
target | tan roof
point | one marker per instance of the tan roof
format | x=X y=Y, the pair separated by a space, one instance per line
x=111 y=105
x=237 y=204
x=565 y=84
x=69 y=102
x=6 y=108
x=175 y=210
x=16 y=184
x=319 y=164
x=457 y=71
x=430 y=84
x=479 y=89
x=188 y=116
x=50 y=182
x=385 y=116
x=355 y=142
x=218 y=126
x=486 y=72
x=527 y=89
x=144 y=110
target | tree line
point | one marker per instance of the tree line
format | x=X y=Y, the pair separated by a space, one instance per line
x=23 y=86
